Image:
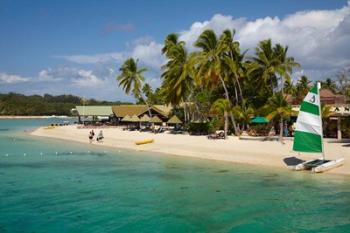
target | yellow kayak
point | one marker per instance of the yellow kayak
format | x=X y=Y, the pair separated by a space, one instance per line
x=144 y=141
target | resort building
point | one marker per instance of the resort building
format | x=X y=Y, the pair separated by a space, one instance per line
x=340 y=109
x=161 y=111
x=93 y=114
x=114 y=114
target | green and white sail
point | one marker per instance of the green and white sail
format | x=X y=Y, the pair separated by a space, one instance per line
x=308 y=133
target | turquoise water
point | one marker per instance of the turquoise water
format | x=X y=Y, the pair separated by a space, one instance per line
x=54 y=186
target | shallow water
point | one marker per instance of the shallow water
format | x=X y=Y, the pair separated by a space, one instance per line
x=53 y=186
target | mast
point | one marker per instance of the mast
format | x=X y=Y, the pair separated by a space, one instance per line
x=320 y=109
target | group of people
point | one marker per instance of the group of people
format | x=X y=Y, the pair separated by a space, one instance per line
x=99 y=137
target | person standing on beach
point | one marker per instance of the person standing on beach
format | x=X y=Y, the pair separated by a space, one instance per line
x=91 y=136
x=100 y=137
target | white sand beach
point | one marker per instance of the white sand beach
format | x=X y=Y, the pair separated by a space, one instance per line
x=265 y=153
x=30 y=117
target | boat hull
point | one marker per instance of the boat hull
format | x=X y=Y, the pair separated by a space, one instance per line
x=329 y=165
x=319 y=165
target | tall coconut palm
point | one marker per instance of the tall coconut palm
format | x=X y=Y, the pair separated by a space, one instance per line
x=177 y=78
x=286 y=64
x=170 y=40
x=222 y=106
x=209 y=63
x=271 y=63
x=301 y=88
x=131 y=80
x=233 y=62
x=148 y=92
x=280 y=109
x=289 y=88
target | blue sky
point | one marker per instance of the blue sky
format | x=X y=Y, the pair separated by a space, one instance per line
x=56 y=46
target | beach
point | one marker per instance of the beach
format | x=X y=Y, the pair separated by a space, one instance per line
x=31 y=117
x=253 y=152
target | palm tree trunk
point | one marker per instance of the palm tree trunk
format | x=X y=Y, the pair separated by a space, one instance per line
x=239 y=87
x=228 y=99
x=281 y=130
x=271 y=81
x=226 y=124
x=236 y=94
x=148 y=107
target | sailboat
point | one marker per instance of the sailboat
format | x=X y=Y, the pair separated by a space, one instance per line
x=308 y=135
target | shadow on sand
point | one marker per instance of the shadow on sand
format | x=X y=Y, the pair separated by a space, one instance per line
x=292 y=161
x=347 y=141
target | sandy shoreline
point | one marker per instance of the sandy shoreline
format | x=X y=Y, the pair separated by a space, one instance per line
x=267 y=153
x=31 y=117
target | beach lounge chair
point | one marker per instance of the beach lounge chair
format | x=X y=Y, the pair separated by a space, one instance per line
x=220 y=135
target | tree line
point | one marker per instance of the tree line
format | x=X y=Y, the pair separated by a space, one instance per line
x=37 y=105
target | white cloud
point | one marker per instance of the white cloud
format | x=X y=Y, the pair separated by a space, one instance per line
x=150 y=54
x=86 y=78
x=318 y=39
x=145 y=49
x=94 y=58
x=12 y=79
x=50 y=75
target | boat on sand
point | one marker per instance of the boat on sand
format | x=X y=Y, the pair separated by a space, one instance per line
x=309 y=134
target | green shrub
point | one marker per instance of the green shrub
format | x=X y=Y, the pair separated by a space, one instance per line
x=202 y=128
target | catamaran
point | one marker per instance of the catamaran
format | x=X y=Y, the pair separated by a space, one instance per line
x=308 y=135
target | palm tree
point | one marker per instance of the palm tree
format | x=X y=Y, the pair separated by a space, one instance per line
x=170 y=40
x=148 y=93
x=330 y=85
x=286 y=64
x=177 y=79
x=131 y=79
x=147 y=90
x=289 y=88
x=280 y=109
x=270 y=63
x=209 y=63
x=243 y=113
x=301 y=89
x=222 y=106
x=233 y=63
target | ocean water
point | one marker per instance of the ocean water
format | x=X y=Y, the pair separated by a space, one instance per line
x=54 y=186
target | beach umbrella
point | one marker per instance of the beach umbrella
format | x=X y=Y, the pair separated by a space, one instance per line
x=155 y=119
x=134 y=118
x=127 y=118
x=259 y=120
x=174 y=120
x=145 y=118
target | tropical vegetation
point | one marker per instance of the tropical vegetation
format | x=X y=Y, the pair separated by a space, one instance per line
x=216 y=80
x=13 y=104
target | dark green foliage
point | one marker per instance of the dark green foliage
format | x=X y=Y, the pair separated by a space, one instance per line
x=36 y=105
x=199 y=128
x=203 y=128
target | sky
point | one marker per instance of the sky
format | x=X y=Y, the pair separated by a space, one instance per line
x=77 y=47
